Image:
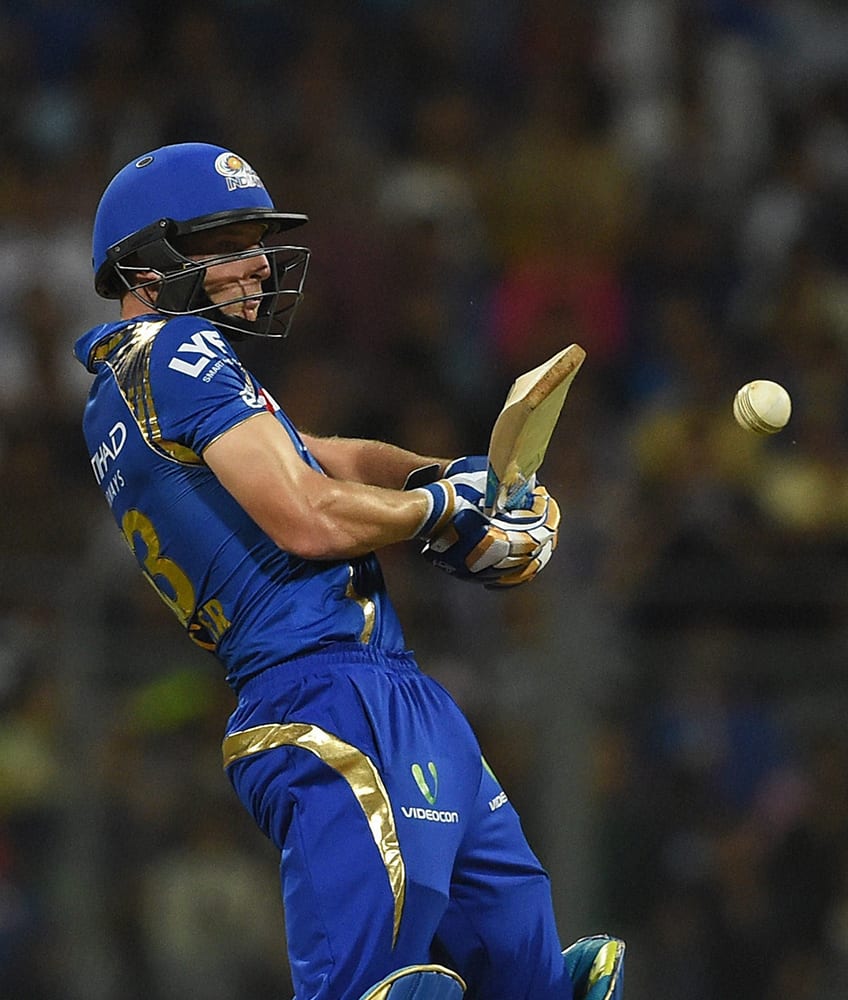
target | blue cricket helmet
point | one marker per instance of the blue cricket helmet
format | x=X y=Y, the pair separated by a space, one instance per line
x=173 y=192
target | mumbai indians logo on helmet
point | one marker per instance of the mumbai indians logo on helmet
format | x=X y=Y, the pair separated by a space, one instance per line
x=237 y=172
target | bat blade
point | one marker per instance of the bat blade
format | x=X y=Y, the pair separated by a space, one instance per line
x=523 y=428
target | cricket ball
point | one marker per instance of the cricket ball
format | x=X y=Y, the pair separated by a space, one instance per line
x=762 y=406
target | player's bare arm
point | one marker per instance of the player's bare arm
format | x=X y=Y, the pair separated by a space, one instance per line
x=306 y=513
x=377 y=463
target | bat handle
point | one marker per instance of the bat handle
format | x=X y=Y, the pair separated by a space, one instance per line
x=512 y=493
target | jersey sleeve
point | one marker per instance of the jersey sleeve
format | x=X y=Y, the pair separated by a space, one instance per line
x=199 y=387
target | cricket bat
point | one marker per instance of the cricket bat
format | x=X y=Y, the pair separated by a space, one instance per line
x=523 y=428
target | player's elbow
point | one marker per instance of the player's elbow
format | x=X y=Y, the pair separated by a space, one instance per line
x=313 y=530
x=309 y=544
x=305 y=537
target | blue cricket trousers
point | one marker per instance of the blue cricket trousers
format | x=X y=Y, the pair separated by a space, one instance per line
x=398 y=847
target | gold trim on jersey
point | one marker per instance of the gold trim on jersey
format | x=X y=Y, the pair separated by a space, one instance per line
x=128 y=355
x=369 y=608
x=357 y=769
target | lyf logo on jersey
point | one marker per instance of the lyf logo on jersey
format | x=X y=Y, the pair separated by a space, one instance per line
x=202 y=349
x=202 y=358
x=237 y=172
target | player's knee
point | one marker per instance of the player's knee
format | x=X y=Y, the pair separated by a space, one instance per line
x=418 y=982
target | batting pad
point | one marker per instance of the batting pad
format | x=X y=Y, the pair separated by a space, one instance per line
x=596 y=967
x=418 y=982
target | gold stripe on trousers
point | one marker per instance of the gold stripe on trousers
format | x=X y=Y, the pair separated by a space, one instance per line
x=357 y=769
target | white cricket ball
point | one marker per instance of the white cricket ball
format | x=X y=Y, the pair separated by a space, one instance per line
x=762 y=406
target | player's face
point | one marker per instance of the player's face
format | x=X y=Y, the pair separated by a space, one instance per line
x=236 y=278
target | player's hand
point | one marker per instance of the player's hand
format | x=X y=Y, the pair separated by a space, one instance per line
x=469 y=476
x=468 y=472
x=502 y=551
x=533 y=532
x=524 y=562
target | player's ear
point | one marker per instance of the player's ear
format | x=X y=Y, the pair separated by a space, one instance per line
x=143 y=290
x=146 y=284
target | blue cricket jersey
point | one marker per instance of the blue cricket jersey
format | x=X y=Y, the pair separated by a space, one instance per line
x=398 y=847
x=163 y=391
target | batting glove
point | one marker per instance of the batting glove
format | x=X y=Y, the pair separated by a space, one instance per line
x=422 y=476
x=463 y=484
x=533 y=532
x=502 y=551
x=469 y=475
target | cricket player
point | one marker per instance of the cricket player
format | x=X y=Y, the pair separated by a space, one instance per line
x=404 y=868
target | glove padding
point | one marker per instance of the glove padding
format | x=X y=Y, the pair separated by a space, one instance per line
x=504 y=550
x=463 y=483
x=470 y=476
x=596 y=967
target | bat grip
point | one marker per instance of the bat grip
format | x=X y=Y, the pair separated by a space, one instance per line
x=512 y=494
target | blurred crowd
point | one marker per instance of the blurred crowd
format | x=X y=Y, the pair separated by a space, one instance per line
x=662 y=181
